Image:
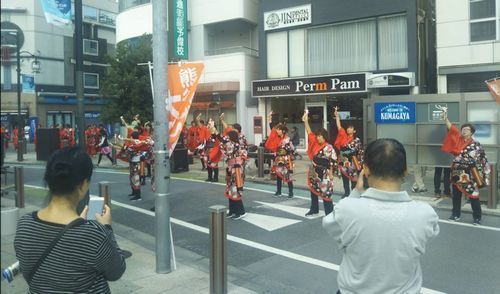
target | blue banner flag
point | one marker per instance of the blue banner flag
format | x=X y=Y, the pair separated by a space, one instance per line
x=395 y=113
x=28 y=82
x=57 y=12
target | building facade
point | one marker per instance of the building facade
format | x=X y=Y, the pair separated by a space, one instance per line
x=52 y=100
x=324 y=53
x=222 y=34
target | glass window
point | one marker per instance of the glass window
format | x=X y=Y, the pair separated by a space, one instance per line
x=484 y=20
x=90 y=13
x=469 y=82
x=347 y=47
x=106 y=17
x=277 y=55
x=90 y=47
x=392 y=42
x=91 y=80
x=297 y=52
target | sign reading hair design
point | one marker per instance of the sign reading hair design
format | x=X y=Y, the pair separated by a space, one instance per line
x=288 y=17
x=318 y=85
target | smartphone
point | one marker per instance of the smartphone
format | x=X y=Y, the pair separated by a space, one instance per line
x=365 y=182
x=96 y=205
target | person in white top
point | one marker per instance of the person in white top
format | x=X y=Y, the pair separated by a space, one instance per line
x=381 y=231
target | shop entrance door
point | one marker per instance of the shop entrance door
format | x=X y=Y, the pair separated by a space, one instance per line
x=317 y=115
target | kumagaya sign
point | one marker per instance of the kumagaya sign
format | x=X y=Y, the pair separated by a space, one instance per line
x=183 y=79
x=395 y=113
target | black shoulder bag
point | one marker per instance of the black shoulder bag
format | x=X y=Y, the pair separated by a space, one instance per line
x=72 y=224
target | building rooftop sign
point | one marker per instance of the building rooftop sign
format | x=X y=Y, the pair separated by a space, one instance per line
x=313 y=85
x=288 y=17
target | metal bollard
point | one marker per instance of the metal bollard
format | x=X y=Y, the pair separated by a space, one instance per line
x=493 y=187
x=19 y=184
x=218 y=257
x=105 y=192
x=260 y=161
x=113 y=155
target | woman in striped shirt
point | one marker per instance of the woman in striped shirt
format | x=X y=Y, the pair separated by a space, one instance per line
x=86 y=256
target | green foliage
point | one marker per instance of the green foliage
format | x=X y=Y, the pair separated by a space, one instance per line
x=126 y=87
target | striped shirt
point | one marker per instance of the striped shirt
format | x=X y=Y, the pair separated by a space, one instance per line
x=83 y=260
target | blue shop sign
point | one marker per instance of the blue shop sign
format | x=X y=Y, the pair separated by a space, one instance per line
x=395 y=113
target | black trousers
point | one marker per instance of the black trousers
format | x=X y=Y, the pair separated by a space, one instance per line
x=347 y=188
x=100 y=157
x=446 y=180
x=279 y=182
x=457 y=205
x=328 y=205
x=236 y=207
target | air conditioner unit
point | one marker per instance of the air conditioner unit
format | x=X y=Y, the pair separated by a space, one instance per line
x=386 y=80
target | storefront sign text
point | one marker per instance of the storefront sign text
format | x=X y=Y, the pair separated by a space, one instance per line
x=395 y=113
x=318 y=85
x=288 y=17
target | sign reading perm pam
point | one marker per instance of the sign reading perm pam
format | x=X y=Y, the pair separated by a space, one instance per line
x=316 y=85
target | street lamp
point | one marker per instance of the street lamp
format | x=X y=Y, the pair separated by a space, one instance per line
x=35 y=66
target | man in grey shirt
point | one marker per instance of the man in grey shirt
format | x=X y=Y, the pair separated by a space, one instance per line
x=381 y=231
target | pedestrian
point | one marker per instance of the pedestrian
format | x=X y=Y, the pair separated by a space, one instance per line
x=15 y=137
x=210 y=142
x=350 y=154
x=470 y=170
x=283 y=163
x=446 y=171
x=235 y=156
x=381 y=231
x=202 y=135
x=324 y=166
x=419 y=172
x=294 y=135
x=85 y=256
x=104 y=147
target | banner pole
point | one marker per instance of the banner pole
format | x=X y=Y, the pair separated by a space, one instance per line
x=161 y=135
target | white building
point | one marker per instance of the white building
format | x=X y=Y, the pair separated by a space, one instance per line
x=468 y=44
x=223 y=35
x=53 y=100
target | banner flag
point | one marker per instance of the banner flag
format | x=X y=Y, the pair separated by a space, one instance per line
x=183 y=79
x=57 y=12
x=28 y=82
x=494 y=87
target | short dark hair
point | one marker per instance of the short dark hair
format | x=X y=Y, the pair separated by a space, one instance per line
x=349 y=126
x=135 y=135
x=472 y=128
x=237 y=127
x=322 y=132
x=282 y=127
x=66 y=169
x=233 y=136
x=386 y=158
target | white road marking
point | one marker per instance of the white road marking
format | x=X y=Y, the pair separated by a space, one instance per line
x=299 y=211
x=267 y=222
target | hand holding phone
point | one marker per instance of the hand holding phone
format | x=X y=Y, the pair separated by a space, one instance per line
x=96 y=206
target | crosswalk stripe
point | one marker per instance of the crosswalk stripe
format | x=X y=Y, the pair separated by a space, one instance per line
x=267 y=222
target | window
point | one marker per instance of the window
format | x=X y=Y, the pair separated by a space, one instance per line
x=91 y=80
x=90 y=47
x=392 y=42
x=89 y=13
x=484 y=20
x=277 y=55
x=107 y=18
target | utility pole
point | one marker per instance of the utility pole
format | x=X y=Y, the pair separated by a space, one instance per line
x=20 y=119
x=78 y=42
x=161 y=134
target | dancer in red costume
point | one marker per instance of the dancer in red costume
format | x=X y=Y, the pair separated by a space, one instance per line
x=351 y=154
x=281 y=145
x=324 y=166
x=470 y=170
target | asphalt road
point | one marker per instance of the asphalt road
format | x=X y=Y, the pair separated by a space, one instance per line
x=277 y=250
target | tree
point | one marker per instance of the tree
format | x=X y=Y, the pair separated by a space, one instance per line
x=126 y=88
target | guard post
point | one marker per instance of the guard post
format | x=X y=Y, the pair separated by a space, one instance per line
x=493 y=187
x=218 y=260
x=19 y=185
x=260 y=161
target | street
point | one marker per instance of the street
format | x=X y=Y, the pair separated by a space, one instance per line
x=275 y=249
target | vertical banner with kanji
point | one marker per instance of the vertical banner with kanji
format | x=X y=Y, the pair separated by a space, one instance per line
x=182 y=82
x=494 y=87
